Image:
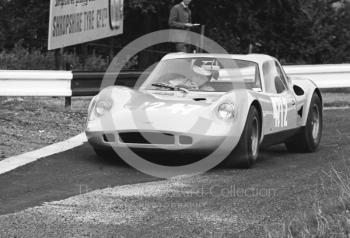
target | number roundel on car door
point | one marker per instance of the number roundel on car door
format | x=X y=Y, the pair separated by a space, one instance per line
x=280 y=111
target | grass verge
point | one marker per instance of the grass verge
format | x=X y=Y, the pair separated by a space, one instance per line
x=330 y=218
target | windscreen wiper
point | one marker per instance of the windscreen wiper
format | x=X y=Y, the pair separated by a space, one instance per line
x=171 y=87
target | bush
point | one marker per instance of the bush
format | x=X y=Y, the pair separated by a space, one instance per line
x=21 y=58
x=95 y=63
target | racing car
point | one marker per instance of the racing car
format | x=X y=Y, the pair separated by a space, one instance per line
x=231 y=104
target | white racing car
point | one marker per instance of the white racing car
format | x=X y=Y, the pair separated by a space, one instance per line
x=234 y=104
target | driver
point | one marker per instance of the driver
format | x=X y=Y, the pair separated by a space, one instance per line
x=196 y=83
x=199 y=81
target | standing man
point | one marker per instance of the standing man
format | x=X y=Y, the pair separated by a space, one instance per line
x=180 y=18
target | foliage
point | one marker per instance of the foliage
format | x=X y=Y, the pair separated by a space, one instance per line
x=322 y=33
x=95 y=63
x=21 y=58
x=295 y=31
x=27 y=20
x=308 y=31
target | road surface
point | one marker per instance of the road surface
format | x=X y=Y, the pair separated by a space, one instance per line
x=75 y=194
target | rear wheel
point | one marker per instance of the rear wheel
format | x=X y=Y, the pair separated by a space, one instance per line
x=247 y=151
x=308 y=139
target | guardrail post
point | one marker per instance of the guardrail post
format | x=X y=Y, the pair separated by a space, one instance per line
x=67 y=102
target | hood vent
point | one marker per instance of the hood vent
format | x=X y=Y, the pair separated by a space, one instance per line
x=199 y=99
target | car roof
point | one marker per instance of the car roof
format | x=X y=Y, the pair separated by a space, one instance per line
x=258 y=58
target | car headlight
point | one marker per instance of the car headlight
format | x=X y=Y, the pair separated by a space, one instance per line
x=226 y=111
x=91 y=113
x=103 y=106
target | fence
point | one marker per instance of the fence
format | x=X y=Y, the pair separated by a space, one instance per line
x=68 y=84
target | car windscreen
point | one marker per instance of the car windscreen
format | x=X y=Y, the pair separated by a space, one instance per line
x=205 y=74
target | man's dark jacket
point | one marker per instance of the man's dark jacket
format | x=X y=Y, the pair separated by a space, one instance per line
x=179 y=16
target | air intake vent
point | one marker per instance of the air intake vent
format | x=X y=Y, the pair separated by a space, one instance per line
x=147 y=138
x=108 y=137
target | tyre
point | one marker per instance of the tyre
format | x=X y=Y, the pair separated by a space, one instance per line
x=308 y=139
x=247 y=150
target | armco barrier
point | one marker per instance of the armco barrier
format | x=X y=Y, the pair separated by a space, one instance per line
x=89 y=83
x=327 y=76
x=66 y=83
x=35 y=83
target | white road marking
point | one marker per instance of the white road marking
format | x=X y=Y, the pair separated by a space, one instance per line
x=336 y=108
x=26 y=158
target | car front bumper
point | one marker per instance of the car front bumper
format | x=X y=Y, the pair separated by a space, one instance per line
x=165 y=141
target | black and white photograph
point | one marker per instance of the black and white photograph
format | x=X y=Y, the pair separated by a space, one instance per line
x=175 y=118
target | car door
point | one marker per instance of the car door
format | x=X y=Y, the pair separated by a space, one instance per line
x=282 y=114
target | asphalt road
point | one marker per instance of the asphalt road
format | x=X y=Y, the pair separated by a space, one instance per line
x=60 y=176
x=221 y=203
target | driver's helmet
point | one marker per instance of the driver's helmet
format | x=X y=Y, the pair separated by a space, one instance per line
x=197 y=67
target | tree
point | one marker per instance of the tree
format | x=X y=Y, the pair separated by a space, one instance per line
x=322 y=34
x=296 y=31
x=27 y=20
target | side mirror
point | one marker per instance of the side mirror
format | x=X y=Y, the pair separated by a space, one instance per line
x=279 y=85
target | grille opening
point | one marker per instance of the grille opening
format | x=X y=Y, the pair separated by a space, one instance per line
x=147 y=138
x=108 y=137
x=186 y=140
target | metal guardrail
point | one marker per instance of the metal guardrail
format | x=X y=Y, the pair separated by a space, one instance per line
x=67 y=84
x=327 y=76
x=89 y=83
x=35 y=83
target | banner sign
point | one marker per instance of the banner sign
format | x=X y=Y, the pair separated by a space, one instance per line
x=78 y=21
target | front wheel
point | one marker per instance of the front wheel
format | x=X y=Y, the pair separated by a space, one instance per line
x=309 y=138
x=247 y=151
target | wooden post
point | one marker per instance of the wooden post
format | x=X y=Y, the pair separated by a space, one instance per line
x=84 y=54
x=202 y=38
x=59 y=59
x=60 y=65
x=68 y=102
x=111 y=50
x=251 y=47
